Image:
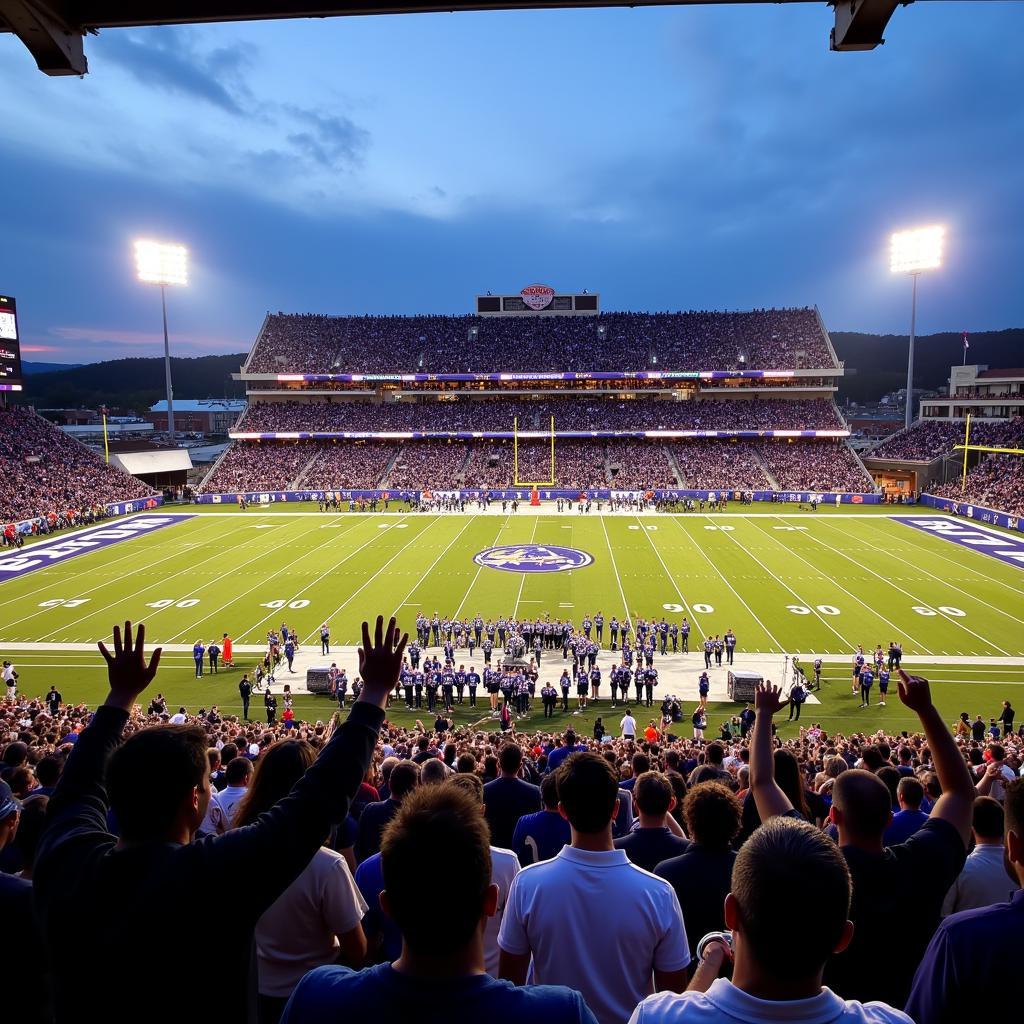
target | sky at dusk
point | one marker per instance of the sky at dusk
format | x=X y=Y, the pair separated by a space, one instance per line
x=671 y=158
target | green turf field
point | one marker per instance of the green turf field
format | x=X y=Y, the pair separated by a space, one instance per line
x=787 y=582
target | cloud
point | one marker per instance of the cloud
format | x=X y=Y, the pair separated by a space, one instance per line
x=170 y=59
x=120 y=338
x=332 y=140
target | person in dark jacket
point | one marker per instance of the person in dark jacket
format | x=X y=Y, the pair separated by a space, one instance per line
x=114 y=909
x=508 y=797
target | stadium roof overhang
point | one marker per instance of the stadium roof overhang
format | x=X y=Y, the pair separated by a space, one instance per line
x=54 y=30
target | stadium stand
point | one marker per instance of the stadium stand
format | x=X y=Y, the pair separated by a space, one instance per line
x=764 y=339
x=49 y=475
x=584 y=413
x=928 y=439
x=997 y=482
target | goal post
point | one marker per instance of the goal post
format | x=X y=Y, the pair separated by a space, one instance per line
x=515 y=457
x=968 y=447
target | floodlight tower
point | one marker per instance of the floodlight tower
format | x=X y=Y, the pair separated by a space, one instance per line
x=911 y=252
x=163 y=264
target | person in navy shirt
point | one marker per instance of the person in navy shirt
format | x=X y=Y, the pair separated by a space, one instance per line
x=198 y=652
x=559 y=754
x=867 y=679
x=883 y=685
x=975 y=953
x=539 y=836
x=440 y=973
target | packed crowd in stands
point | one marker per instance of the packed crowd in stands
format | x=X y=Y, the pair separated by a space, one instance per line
x=860 y=879
x=997 y=482
x=618 y=463
x=259 y=466
x=47 y=471
x=712 y=464
x=815 y=466
x=928 y=439
x=568 y=413
x=346 y=464
x=765 y=339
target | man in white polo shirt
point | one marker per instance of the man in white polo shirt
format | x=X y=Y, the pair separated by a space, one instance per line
x=628 y=726
x=591 y=889
x=778 y=961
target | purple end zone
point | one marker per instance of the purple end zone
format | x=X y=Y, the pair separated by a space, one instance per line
x=49 y=552
x=1005 y=547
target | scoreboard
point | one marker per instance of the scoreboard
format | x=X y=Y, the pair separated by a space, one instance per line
x=537 y=299
x=10 y=349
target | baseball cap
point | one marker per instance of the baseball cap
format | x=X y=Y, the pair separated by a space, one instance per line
x=9 y=803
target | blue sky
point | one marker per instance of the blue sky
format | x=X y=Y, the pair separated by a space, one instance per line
x=668 y=158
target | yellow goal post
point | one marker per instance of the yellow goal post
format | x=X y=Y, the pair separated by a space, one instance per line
x=531 y=435
x=968 y=447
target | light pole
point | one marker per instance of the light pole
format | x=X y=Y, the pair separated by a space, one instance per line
x=911 y=252
x=163 y=264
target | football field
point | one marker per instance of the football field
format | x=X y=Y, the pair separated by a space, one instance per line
x=785 y=581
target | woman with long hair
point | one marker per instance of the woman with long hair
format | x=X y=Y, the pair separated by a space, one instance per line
x=317 y=919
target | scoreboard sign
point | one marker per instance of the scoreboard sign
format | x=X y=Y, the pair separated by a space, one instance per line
x=538 y=296
x=10 y=350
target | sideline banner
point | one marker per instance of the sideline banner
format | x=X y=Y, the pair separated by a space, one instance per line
x=975 y=512
x=545 y=493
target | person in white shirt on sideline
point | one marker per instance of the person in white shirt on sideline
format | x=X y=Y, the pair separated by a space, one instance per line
x=983 y=880
x=777 y=960
x=317 y=919
x=590 y=889
x=504 y=868
x=220 y=813
x=628 y=725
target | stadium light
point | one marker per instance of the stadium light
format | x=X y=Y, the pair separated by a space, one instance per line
x=912 y=252
x=163 y=264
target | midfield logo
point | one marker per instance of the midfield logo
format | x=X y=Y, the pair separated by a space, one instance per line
x=533 y=558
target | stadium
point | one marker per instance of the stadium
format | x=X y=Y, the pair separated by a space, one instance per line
x=484 y=634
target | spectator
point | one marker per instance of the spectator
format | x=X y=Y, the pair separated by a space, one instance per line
x=508 y=797
x=541 y=835
x=316 y=920
x=159 y=788
x=574 y=895
x=653 y=841
x=983 y=880
x=777 y=960
x=404 y=777
x=438 y=833
x=504 y=868
x=701 y=875
x=978 y=948
x=886 y=880
x=910 y=817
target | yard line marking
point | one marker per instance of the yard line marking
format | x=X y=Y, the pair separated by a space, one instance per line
x=849 y=593
x=814 y=611
x=219 y=576
x=92 y=571
x=63 y=581
x=128 y=597
x=332 y=568
x=711 y=562
x=618 y=578
x=480 y=569
x=430 y=568
x=950 y=618
x=946 y=581
x=522 y=575
x=262 y=582
x=671 y=578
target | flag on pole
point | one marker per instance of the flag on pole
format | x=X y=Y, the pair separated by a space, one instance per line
x=967 y=344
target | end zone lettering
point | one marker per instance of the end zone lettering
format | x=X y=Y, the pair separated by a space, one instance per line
x=48 y=552
x=1006 y=548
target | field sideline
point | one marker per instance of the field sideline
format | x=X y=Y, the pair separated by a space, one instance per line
x=785 y=581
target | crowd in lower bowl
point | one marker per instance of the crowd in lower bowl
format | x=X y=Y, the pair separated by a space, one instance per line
x=362 y=871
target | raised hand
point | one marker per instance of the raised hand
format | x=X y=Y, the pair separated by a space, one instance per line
x=127 y=670
x=914 y=692
x=768 y=699
x=380 y=661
